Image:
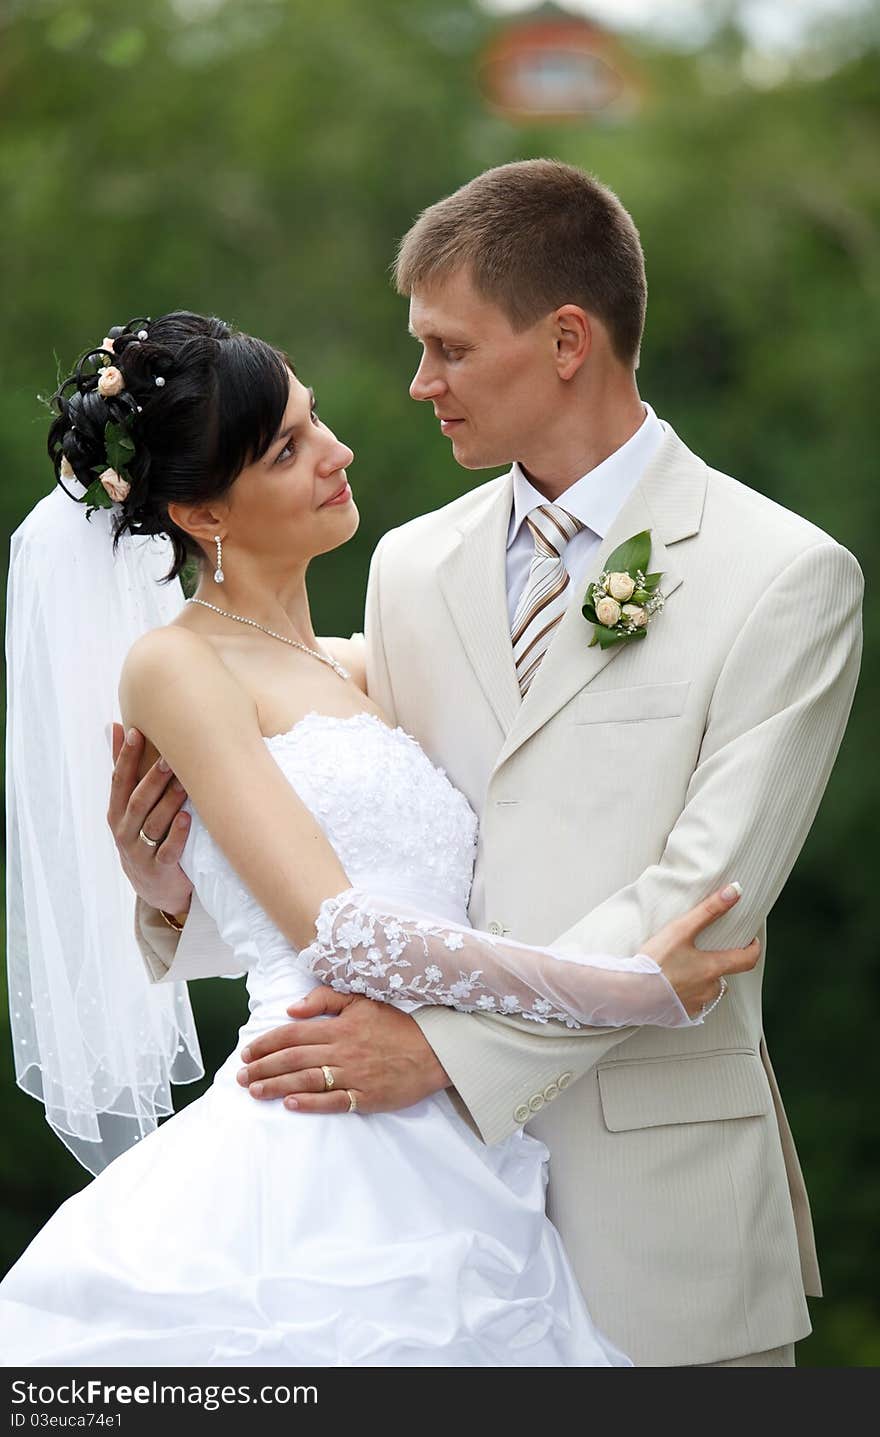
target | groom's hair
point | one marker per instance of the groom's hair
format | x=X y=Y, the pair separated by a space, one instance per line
x=535 y=235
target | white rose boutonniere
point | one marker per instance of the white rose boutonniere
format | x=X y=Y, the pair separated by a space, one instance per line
x=621 y=587
x=624 y=599
x=608 y=612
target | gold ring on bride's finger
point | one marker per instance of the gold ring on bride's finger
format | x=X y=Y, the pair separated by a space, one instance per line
x=153 y=842
x=329 y=1080
x=352 y=1101
x=707 y=1007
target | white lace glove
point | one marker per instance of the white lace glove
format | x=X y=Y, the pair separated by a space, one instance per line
x=363 y=947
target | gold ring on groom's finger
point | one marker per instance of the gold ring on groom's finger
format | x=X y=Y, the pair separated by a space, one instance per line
x=329 y=1080
x=153 y=842
x=352 y=1101
x=707 y=1007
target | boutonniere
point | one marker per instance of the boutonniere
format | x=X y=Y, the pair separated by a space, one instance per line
x=624 y=599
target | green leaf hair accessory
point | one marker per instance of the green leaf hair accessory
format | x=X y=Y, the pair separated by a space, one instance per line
x=624 y=599
x=96 y=497
x=119 y=445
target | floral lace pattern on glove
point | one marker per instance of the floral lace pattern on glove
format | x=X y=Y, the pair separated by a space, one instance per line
x=365 y=945
x=361 y=947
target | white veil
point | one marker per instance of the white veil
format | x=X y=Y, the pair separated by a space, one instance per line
x=94 y=1040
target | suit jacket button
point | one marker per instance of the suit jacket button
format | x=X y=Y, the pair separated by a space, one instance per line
x=551 y=1091
x=564 y=1080
x=496 y=930
x=536 y=1103
x=521 y=1113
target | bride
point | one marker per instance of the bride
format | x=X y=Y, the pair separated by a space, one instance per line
x=327 y=848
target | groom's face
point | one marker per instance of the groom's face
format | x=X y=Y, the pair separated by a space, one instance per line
x=493 y=388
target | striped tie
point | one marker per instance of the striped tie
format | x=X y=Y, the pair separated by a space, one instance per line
x=546 y=594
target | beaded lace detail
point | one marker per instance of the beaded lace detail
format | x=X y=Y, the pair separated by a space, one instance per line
x=384 y=941
x=382 y=803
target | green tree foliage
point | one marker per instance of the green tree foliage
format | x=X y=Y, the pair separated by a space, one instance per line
x=260 y=162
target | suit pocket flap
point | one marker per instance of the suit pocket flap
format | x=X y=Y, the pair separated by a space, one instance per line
x=630 y=705
x=701 y=1089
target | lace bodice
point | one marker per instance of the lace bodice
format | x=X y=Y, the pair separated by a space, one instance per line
x=399 y=826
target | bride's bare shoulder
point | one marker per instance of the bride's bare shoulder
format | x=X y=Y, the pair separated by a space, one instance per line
x=172 y=667
x=166 y=648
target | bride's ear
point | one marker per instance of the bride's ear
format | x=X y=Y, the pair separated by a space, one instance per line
x=201 y=521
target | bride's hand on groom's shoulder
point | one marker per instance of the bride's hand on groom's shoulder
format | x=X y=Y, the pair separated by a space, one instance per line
x=148 y=806
x=695 y=972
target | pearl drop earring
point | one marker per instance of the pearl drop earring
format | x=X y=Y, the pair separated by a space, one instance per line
x=219 y=576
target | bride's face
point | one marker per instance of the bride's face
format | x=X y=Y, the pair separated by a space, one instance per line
x=295 y=501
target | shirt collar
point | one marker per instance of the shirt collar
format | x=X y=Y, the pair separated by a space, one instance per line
x=596 y=498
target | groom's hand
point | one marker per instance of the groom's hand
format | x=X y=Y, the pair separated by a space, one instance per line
x=150 y=806
x=375 y=1050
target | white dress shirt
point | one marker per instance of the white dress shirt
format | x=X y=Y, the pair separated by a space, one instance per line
x=596 y=499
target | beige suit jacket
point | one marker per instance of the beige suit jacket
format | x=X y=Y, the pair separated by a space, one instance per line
x=627 y=785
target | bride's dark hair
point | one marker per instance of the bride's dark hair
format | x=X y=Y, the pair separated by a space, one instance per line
x=216 y=408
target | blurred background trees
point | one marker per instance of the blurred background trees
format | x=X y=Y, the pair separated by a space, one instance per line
x=259 y=160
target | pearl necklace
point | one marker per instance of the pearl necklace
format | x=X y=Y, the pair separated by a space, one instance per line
x=294 y=643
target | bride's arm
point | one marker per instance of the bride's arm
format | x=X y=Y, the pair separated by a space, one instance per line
x=177 y=690
x=364 y=946
x=142 y=796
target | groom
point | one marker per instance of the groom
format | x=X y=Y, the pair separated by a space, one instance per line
x=615 y=786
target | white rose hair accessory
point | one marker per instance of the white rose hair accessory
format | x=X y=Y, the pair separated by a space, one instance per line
x=106 y=481
x=118 y=489
x=110 y=381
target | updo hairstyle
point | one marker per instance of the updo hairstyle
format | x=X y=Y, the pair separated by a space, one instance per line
x=200 y=402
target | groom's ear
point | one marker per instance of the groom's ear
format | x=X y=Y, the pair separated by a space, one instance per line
x=202 y=521
x=573 y=338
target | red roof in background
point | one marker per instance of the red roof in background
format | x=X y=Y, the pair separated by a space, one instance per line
x=553 y=68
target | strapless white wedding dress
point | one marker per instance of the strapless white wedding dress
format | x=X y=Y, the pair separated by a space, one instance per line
x=242 y=1234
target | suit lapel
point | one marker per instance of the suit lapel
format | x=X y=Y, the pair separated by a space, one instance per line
x=473 y=581
x=668 y=501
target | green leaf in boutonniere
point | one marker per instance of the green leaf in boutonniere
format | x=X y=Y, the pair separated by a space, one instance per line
x=606 y=638
x=632 y=555
x=623 y=600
